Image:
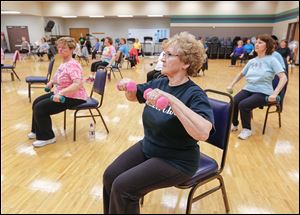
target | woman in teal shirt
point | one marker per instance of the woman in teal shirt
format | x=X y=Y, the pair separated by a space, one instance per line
x=259 y=73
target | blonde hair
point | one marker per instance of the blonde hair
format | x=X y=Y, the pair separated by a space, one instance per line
x=189 y=50
x=69 y=41
x=164 y=44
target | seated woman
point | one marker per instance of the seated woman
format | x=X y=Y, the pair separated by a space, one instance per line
x=159 y=64
x=69 y=85
x=25 y=46
x=248 y=50
x=107 y=58
x=259 y=73
x=168 y=154
x=238 y=52
x=42 y=49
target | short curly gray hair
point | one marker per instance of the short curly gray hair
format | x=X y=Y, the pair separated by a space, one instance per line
x=69 y=41
x=189 y=50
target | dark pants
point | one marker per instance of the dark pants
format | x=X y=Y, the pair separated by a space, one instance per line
x=131 y=176
x=94 y=54
x=24 y=51
x=153 y=74
x=95 y=65
x=234 y=58
x=42 y=108
x=40 y=54
x=245 y=102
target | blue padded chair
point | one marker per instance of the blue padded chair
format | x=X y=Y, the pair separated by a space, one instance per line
x=12 y=67
x=91 y=103
x=32 y=80
x=278 y=105
x=209 y=168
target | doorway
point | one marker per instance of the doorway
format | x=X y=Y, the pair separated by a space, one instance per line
x=76 y=32
x=15 y=34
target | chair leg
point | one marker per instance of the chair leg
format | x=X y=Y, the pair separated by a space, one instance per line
x=16 y=74
x=266 y=119
x=29 y=92
x=92 y=116
x=12 y=76
x=65 y=119
x=103 y=121
x=190 y=200
x=279 y=118
x=120 y=73
x=225 y=199
x=112 y=71
x=74 y=132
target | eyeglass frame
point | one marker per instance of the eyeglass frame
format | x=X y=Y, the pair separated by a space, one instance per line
x=166 y=55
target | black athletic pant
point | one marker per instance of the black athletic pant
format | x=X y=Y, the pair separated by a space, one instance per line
x=245 y=102
x=42 y=108
x=95 y=65
x=131 y=176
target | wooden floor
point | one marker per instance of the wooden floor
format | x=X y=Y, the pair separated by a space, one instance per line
x=261 y=174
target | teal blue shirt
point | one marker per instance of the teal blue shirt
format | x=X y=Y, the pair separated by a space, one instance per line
x=260 y=72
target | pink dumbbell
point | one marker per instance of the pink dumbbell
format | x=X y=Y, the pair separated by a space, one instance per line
x=161 y=103
x=130 y=86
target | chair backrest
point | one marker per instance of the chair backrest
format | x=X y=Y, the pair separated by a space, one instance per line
x=50 y=69
x=223 y=112
x=99 y=83
x=282 y=92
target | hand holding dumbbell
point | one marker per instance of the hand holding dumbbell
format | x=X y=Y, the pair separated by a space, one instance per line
x=48 y=88
x=126 y=85
x=277 y=99
x=161 y=103
x=62 y=99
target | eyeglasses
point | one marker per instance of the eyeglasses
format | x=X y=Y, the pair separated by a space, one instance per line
x=167 y=55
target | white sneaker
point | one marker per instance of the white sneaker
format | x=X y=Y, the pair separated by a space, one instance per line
x=234 y=128
x=245 y=134
x=41 y=143
x=31 y=135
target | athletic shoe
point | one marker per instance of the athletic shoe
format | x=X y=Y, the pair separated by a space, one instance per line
x=41 y=143
x=245 y=134
x=234 y=128
x=31 y=135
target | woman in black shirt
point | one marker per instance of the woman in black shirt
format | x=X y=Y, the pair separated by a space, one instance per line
x=168 y=154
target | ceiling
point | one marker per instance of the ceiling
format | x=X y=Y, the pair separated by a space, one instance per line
x=144 y=8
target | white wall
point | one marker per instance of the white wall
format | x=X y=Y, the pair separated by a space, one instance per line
x=280 y=28
x=115 y=27
x=35 y=25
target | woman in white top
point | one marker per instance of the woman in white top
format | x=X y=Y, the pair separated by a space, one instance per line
x=157 y=71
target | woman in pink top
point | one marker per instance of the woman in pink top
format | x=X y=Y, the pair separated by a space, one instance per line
x=69 y=92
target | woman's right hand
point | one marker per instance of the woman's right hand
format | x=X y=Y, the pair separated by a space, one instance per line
x=122 y=85
x=49 y=84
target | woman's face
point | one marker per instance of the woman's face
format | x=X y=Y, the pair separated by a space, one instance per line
x=106 y=43
x=171 y=62
x=282 y=44
x=260 y=46
x=64 y=50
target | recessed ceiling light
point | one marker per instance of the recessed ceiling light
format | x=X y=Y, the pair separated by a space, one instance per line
x=9 y=12
x=69 y=16
x=155 y=15
x=125 y=15
x=96 y=16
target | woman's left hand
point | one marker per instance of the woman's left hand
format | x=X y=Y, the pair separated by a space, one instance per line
x=272 y=98
x=156 y=94
x=56 y=98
